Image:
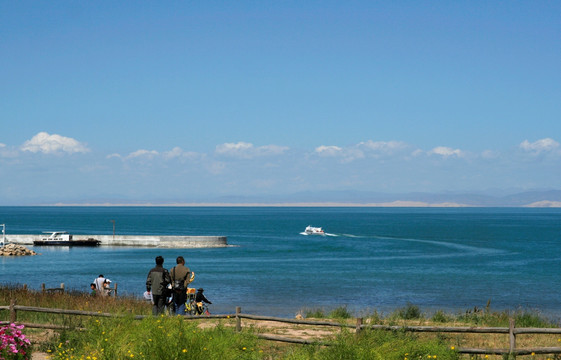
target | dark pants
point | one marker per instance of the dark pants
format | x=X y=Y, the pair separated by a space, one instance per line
x=159 y=304
x=179 y=302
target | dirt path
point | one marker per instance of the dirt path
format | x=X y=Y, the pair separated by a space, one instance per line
x=40 y=356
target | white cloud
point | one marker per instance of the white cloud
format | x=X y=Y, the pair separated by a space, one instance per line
x=6 y=152
x=178 y=153
x=173 y=153
x=247 y=150
x=146 y=154
x=345 y=154
x=375 y=149
x=446 y=152
x=386 y=147
x=271 y=150
x=417 y=152
x=52 y=144
x=539 y=146
x=114 y=155
x=325 y=150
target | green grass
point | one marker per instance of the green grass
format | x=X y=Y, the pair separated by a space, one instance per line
x=69 y=300
x=380 y=345
x=175 y=338
x=153 y=338
x=340 y=313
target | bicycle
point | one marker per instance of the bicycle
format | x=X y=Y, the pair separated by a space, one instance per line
x=190 y=307
x=194 y=308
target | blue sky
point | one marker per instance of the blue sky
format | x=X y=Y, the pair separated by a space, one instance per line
x=186 y=101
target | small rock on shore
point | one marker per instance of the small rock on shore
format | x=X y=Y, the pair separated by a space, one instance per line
x=15 y=250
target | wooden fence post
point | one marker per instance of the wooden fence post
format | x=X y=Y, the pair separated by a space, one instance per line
x=43 y=287
x=238 y=319
x=115 y=289
x=13 y=312
x=25 y=287
x=358 y=325
x=512 y=337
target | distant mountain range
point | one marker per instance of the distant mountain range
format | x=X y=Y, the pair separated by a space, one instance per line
x=536 y=198
x=547 y=198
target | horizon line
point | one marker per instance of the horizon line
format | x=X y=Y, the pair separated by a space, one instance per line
x=393 y=204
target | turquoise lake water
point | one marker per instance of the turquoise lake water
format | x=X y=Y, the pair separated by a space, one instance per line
x=375 y=258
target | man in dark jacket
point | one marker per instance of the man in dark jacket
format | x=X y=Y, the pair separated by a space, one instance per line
x=157 y=282
x=199 y=299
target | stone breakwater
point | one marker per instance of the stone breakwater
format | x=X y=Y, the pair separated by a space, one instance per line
x=179 y=241
x=15 y=250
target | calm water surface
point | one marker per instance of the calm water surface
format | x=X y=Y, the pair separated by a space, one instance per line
x=373 y=258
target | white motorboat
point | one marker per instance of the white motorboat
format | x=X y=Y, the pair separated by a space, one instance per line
x=62 y=238
x=310 y=230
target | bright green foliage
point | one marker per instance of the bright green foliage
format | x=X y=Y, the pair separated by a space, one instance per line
x=315 y=313
x=155 y=338
x=381 y=345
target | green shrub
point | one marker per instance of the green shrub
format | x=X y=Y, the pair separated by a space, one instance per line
x=375 y=317
x=527 y=319
x=314 y=313
x=340 y=313
x=409 y=312
x=441 y=317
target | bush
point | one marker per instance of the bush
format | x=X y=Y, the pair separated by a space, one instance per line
x=441 y=317
x=315 y=313
x=409 y=312
x=340 y=313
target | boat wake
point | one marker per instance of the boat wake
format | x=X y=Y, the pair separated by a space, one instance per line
x=324 y=234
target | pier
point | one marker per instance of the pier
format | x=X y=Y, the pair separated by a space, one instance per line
x=161 y=241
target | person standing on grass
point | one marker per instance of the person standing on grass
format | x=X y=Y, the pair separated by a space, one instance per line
x=156 y=283
x=99 y=285
x=180 y=277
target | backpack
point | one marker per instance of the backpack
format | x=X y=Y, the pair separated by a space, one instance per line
x=178 y=285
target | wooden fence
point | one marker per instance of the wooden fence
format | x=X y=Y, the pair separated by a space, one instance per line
x=512 y=331
x=61 y=289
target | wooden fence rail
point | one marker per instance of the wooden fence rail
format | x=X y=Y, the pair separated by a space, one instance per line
x=512 y=331
x=61 y=289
